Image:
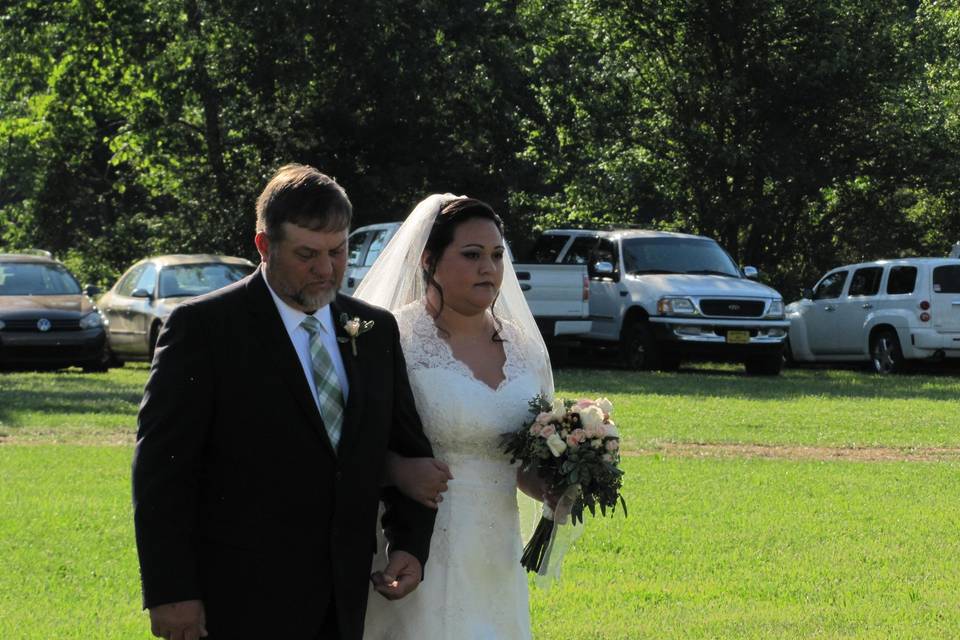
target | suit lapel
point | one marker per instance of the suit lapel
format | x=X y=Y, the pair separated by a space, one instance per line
x=352 y=419
x=272 y=334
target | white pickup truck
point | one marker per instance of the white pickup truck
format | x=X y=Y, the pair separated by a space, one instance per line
x=557 y=293
x=660 y=297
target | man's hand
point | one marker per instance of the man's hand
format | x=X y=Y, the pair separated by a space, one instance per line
x=402 y=575
x=421 y=479
x=179 y=620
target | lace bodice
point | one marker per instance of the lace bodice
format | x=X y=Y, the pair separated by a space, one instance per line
x=461 y=414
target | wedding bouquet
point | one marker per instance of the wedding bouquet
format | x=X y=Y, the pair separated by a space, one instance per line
x=575 y=447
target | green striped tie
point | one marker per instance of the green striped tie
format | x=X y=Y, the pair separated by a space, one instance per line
x=325 y=377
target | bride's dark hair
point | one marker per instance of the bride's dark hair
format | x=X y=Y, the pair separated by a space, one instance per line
x=451 y=216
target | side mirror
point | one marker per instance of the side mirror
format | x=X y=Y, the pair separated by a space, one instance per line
x=806 y=293
x=602 y=269
x=91 y=290
x=141 y=293
x=751 y=272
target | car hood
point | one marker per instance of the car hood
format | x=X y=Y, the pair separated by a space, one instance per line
x=682 y=284
x=68 y=307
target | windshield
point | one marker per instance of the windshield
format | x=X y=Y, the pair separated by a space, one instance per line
x=677 y=255
x=196 y=279
x=36 y=279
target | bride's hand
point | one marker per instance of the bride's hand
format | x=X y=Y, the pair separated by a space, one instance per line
x=421 y=479
x=533 y=485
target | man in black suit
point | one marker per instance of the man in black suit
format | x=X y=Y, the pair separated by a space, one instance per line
x=262 y=439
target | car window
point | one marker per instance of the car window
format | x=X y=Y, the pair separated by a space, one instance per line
x=865 y=281
x=196 y=279
x=677 y=255
x=580 y=251
x=606 y=252
x=129 y=282
x=546 y=249
x=377 y=243
x=148 y=279
x=358 y=242
x=831 y=286
x=901 y=280
x=946 y=279
x=36 y=279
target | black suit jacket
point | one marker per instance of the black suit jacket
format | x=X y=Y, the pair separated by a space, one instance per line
x=239 y=497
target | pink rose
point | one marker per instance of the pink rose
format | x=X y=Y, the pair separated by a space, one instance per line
x=607 y=457
x=572 y=442
x=582 y=404
x=613 y=445
x=578 y=435
x=535 y=429
x=544 y=418
x=547 y=431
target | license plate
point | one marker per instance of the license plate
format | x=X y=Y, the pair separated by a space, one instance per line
x=738 y=337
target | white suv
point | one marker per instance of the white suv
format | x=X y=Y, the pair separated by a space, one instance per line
x=886 y=312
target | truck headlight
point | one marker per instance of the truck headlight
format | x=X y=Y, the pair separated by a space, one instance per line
x=776 y=309
x=676 y=307
x=91 y=320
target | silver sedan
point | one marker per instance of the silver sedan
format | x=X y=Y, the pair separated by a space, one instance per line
x=144 y=296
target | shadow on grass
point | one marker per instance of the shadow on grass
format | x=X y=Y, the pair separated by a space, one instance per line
x=708 y=380
x=68 y=392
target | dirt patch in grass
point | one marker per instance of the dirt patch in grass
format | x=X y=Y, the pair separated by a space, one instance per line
x=801 y=452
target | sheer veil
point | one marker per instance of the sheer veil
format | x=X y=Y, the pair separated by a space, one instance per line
x=395 y=280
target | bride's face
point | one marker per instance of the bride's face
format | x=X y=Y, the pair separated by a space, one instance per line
x=470 y=270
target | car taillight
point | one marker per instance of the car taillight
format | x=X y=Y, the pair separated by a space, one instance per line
x=586 y=288
x=924 y=317
x=925 y=305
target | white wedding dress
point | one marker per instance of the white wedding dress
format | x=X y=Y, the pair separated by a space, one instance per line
x=474 y=586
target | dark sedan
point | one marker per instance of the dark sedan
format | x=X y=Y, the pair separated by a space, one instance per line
x=144 y=296
x=46 y=319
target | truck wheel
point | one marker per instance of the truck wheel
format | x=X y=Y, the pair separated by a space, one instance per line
x=639 y=347
x=885 y=352
x=768 y=365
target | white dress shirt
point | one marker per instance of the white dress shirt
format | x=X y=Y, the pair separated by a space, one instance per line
x=292 y=319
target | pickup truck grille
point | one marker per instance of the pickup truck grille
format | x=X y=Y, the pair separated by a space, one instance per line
x=732 y=308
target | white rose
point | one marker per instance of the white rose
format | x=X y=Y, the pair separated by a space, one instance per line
x=591 y=417
x=605 y=405
x=352 y=327
x=558 y=410
x=557 y=445
x=610 y=430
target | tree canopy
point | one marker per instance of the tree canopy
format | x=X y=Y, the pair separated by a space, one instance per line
x=801 y=135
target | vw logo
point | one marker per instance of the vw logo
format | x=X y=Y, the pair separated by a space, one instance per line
x=43 y=324
x=733 y=307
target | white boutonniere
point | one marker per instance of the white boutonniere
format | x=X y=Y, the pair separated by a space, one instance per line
x=353 y=327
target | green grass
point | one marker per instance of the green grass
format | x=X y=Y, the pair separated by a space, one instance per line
x=70 y=406
x=803 y=406
x=67 y=558
x=818 y=407
x=713 y=548
x=764 y=549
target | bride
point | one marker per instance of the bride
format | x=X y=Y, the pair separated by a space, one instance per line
x=475 y=358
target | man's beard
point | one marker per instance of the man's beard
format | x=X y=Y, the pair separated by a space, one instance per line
x=315 y=301
x=300 y=296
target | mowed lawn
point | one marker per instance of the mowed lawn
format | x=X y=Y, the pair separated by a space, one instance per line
x=714 y=547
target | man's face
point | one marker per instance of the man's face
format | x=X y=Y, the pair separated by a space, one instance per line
x=306 y=267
